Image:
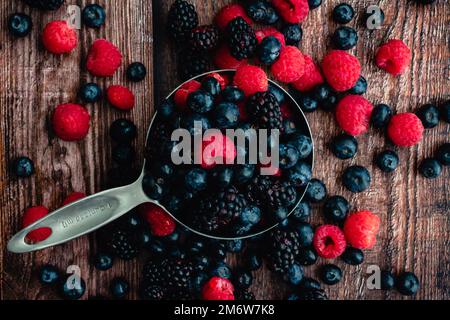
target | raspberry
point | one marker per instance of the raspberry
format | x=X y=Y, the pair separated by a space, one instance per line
x=341 y=70
x=329 y=242
x=32 y=215
x=361 y=229
x=405 y=130
x=251 y=79
x=286 y=111
x=393 y=57
x=292 y=11
x=120 y=97
x=103 y=59
x=71 y=122
x=73 y=197
x=182 y=94
x=59 y=38
x=223 y=81
x=230 y=12
x=353 y=114
x=270 y=31
x=221 y=150
x=310 y=78
x=290 y=66
x=160 y=222
x=224 y=60
x=218 y=289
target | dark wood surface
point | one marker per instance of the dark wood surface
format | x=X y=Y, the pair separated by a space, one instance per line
x=414 y=211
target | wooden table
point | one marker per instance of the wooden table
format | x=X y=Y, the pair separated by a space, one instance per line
x=414 y=211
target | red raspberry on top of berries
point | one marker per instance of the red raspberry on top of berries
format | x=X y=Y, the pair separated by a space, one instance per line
x=103 y=59
x=230 y=12
x=182 y=94
x=251 y=79
x=341 y=70
x=353 y=114
x=73 y=197
x=120 y=97
x=218 y=289
x=71 y=122
x=329 y=242
x=405 y=130
x=59 y=38
x=393 y=57
x=361 y=229
x=160 y=222
x=32 y=215
x=217 y=150
x=290 y=66
x=310 y=78
x=292 y=11
x=270 y=31
x=224 y=60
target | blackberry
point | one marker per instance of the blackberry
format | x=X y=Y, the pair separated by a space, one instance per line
x=245 y=295
x=204 y=38
x=150 y=291
x=179 y=295
x=172 y=273
x=182 y=19
x=257 y=188
x=284 y=248
x=49 y=5
x=281 y=195
x=219 y=210
x=312 y=294
x=192 y=63
x=241 y=39
x=123 y=245
x=266 y=110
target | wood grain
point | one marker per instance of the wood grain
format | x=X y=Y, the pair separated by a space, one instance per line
x=415 y=232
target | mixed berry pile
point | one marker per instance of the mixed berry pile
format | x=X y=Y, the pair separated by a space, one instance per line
x=246 y=37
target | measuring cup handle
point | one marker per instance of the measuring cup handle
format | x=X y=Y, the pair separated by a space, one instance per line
x=81 y=217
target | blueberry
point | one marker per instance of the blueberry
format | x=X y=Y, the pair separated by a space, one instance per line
x=243 y=173
x=152 y=188
x=131 y=221
x=144 y=236
x=444 y=154
x=253 y=261
x=198 y=281
x=23 y=167
x=330 y=274
x=356 y=179
x=313 y=4
x=163 y=170
x=157 y=248
x=344 y=146
x=295 y=274
x=19 y=24
x=307 y=256
x=309 y=283
x=353 y=256
x=281 y=215
x=445 y=111
x=196 y=246
x=429 y=115
x=307 y=103
x=90 y=93
x=221 y=270
x=235 y=246
x=72 y=288
x=373 y=18
x=303 y=144
x=302 y=212
x=272 y=16
x=360 y=86
x=407 y=284
x=103 y=261
x=190 y=123
x=122 y=175
x=257 y=10
x=123 y=130
x=136 y=72
x=288 y=156
x=305 y=234
x=387 y=280
x=293 y=34
x=316 y=192
x=226 y=115
x=343 y=13
x=196 y=180
x=278 y=93
x=119 y=288
x=301 y=174
x=93 y=16
x=232 y=94
x=269 y=50
x=289 y=127
x=430 y=168
x=251 y=215
x=123 y=154
x=222 y=176
x=387 y=161
x=243 y=279
x=336 y=209
x=212 y=86
x=330 y=103
x=200 y=101
x=321 y=92
x=345 y=38
x=217 y=250
x=381 y=116
x=48 y=274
